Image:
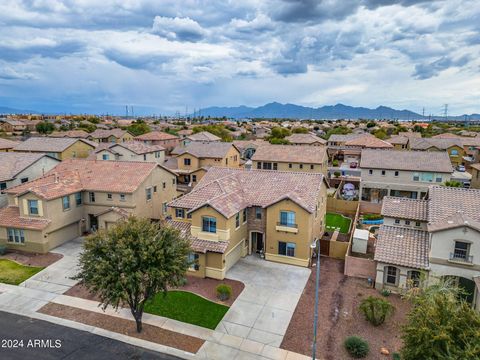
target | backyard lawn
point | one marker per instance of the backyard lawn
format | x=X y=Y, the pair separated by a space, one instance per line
x=334 y=221
x=187 y=307
x=13 y=273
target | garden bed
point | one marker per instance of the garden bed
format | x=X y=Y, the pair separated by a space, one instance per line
x=125 y=327
x=14 y=273
x=32 y=259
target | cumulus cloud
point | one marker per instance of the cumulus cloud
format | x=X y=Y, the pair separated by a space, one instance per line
x=427 y=70
x=181 y=29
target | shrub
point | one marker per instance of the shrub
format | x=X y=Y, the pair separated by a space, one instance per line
x=337 y=173
x=224 y=292
x=372 y=217
x=335 y=162
x=356 y=347
x=385 y=292
x=375 y=310
x=3 y=249
x=396 y=356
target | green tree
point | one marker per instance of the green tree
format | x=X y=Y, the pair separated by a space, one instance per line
x=453 y=183
x=215 y=129
x=131 y=262
x=88 y=127
x=300 y=130
x=441 y=325
x=279 y=132
x=341 y=130
x=45 y=127
x=380 y=134
x=376 y=310
x=138 y=128
x=370 y=124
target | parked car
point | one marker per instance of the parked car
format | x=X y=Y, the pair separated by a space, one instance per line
x=461 y=168
x=466 y=184
x=353 y=165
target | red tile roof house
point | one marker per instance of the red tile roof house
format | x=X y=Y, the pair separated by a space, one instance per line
x=433 y=238
x=79 y=196
x=168 y=141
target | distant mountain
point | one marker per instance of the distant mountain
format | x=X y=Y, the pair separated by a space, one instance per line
x=7 y=110
x=339 y=111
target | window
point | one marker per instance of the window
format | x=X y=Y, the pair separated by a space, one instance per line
x=192 y=259
x=155 y=188
x=226 y=161
x=275 y=166
x=267 y=166
x=461 y=250
x=78 y=198
x=148 y=194
x=426 y=177
x=414 y=277
x=194 y=178
x=259 y=165
x=66 y=202
x=416 y=177
x=105 y=157
x=397 y=221
x=301 y=166
x=287 y=218
x=258 y=213
x=179 y=213
x=370 y=172
x=189 y=215
x=109 y=197
x=286 y=249
x=24 y=180
x=187 y=162
x=289 y=166
x=3 y=186
x=417 y=223
x=396 y=173
x=91 y=197
x=237 y=220
x=383 y=172
x=312 y=167
x=16 y=236
x=438 y=178
x=164 y=207
x=391 y=275
x=164 y=185
x=407 y=222
x=74 y=154
x=173 y=181
x=157 y=154
x=33 y=207
x=209 y=224
x=144 y=157
x=244 y=215
x=454 y=152
x=122 y=197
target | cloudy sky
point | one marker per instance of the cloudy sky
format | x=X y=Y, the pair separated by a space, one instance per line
x=160 y=56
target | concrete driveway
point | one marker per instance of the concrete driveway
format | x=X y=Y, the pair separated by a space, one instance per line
x=263 y=310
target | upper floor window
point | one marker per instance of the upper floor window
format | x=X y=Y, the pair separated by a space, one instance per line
x=259 y=165
x=454 y=152
x=164 y=207
x=267 y=166
x=3 y=186
x=148 y=194
x=244 y=215
x=209 y=224
x=33 y=207
x=144 y=157
x=78 y=198
x=194 y=178
x=91 y=197
x=383 y=172
x=461 y=251
x=105 y=157
x=396 y=173
x=275 y=166
x=157 y=154
x=258 y=212
x=438 y=178
x=407 y=222
x=237 y=220
x=300 y=166
x=164 y=185
x=24 y=180
x=187 y=161
x=289 y=166
x=391 y=275
x=122 y=197
x=417 y=223
x=287 y=218
x=286 y=248
x=16 y=235
x=370 y=172
x=66 y=202
x=397 y=221
x=312 y=167
x=179 y=213
x=416 y=176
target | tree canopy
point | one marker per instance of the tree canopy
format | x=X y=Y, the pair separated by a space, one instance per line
x=215 y=129
x=45 y=127
x=138 y=128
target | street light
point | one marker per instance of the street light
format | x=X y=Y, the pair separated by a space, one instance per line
x=313 y=245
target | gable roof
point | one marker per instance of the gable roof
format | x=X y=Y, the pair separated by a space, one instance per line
x=305 y=139
x=398 y=139
x=138 y=147
x=10 y=217
x=71 y=134
x=49 y=144
x=368 y=141
x=344 y=137
x=231 y=190
x=427 y=143
x=291 y=154
x=204 y=149
x=434 y=161
x=404 y=208
x=103 y=134
x=156 y=136
x=7 y=144
x=74 y=175
x=203 y=136
x=12 y=163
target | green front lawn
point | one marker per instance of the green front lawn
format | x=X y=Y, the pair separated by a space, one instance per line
x=334 y=221
x=187 y=307
x=14 y=273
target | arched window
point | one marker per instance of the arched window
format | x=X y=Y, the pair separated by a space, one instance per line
x=391 y=275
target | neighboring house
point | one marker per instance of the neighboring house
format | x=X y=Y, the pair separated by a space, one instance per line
x=79 y=196
x=168 y=141
x=434 y=238
x=454 y=147
x=131 y=151
x=475 y=170
x=247 y=148
x=203 y=136
x=18 y=168
x=58 y=148
x=306 y=139
x=79 y=134
x=190 y=162
x=235 y=212
x=348 y=148
x=302 y=158
x=399 y=142
x=7 y=145
x=110 y=136
x=12 y=126
x=340 y=139
x=401 y=173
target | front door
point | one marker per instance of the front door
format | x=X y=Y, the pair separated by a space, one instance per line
x=257 y=242
x=92 y=219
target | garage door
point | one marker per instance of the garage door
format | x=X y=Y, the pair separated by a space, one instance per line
x=232 y=257
x=63 y=235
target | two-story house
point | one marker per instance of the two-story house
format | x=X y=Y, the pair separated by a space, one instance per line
x=475 y=171
x=58 y=148
x=401 y=173
x=79 y=196
x=110 y=136
x=453 y=147
x=13 y=126
x=424 y=240
x=306 y=139
x=191 y=161
x=168 y=141
x=202 y=136
x=7 y=145
x=298 y=158
x=232 y=213
x=130 y=151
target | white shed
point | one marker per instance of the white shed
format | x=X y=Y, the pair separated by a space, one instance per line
x=360 y=241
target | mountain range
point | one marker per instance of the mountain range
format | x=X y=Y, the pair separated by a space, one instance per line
x=339 y=111
x=8 y=110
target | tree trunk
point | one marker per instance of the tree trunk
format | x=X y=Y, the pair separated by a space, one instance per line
x=137 y=314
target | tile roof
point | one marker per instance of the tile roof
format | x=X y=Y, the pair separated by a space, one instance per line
x=156 y=136
x=204 y=149
x=138 y=147
x=103 y=134
x=368 y=141
x=75 y=175
x=49 y=144
x=291 y=154
x=445 y=136
x=11 y=163
x=231 y=190
x=401 y=246
x=10 y=217
x=71 y=134
x=427 y=143
x=7 y=144
x=121 y=212
x=203 y=136
x=404 y=208
x=199 y=245
x=402 y=140
x=435 y=161
x=305 y=139
x=447 y=202
x=344 y=137
x=476 y=166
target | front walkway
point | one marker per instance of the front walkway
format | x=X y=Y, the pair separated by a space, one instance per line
x=263 y=310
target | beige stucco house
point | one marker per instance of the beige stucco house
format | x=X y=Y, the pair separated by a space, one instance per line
x=425 y=240
x=306 y=139
x=233 y=213
x=79 y=196
x=110 y=136
x=58 y=148
x=131 y=151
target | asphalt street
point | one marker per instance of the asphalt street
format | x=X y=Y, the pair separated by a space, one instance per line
x=24 y=338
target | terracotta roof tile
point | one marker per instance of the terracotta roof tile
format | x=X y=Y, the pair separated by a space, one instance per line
x=404 y=208
x=305 y=139
x=203 y=136
x=291 y=154
x=103 y=134
x=446 y=202
x=7 y=144
x=10 y=217
x=369 y=141
x=138 y=147
x=49 y=144
x=156 y=136
x=204 y=149
x=199 y=245
x=11 y=163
